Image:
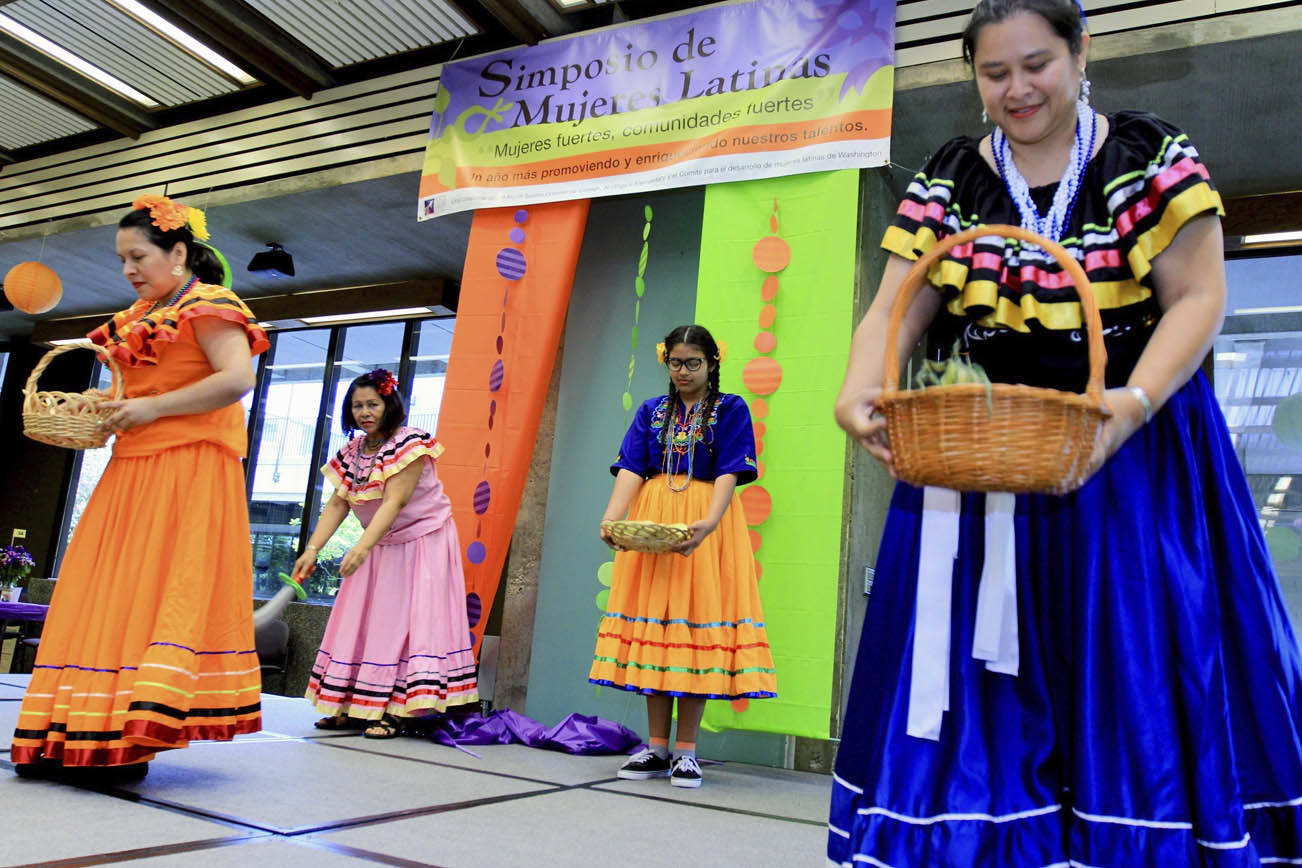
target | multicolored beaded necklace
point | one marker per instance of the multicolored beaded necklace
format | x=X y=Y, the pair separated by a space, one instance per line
x=171 y=303
x=682 y=440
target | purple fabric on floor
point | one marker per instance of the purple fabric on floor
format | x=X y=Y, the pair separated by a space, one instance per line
x=576 y=734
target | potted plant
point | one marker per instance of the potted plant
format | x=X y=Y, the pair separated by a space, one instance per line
x=15 y=565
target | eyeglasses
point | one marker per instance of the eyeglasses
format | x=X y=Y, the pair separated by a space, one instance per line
x=689 y=364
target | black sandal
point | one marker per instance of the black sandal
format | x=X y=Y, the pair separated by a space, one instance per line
x=385 y=727
x=337 y=721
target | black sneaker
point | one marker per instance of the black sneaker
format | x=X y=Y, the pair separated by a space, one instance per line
x=644 y=765
x=686 y=772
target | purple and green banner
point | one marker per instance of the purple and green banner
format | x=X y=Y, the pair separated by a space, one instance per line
x=744 y=91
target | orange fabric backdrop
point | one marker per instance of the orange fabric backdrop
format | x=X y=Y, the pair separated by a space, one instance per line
x=515 y=290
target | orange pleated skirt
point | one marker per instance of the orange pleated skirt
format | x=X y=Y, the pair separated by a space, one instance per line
x=686 y=626
x=149 y=639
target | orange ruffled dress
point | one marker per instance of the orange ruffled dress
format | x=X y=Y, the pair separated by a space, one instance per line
x=149 y=640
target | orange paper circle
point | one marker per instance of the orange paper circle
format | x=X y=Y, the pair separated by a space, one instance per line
x=771 y=253
x=740 y=705
x=762 y=375
x=769 y=290
x=760 y=430
x=768 y=313
x=32 y=287
x=756 y=503
x=765 y=342
x=755 y=540
x=759 y=408
x=759 y=469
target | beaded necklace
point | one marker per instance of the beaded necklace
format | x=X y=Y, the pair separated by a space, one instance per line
x=175 y=298
x=682 y=439
x=358 y=478
x=1053 y=224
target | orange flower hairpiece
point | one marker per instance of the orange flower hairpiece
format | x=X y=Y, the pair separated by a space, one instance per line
x=723 y=351
x=167 y=215
x=660 y=352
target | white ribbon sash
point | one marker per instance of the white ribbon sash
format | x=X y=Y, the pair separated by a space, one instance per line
x=995 y=634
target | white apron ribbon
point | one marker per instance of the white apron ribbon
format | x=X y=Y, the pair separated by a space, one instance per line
x=995 y=634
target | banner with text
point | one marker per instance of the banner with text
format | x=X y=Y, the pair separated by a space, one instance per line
x=749 y=90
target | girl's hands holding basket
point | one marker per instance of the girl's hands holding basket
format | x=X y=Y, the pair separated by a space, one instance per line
x=131 y=413
x=700 y=530
x=855 y=414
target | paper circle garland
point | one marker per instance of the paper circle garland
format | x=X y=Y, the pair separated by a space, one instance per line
x=32 y=287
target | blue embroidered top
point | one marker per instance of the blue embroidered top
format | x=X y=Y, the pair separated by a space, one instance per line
x=725 y=443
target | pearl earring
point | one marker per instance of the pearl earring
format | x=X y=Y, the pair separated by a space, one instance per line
x=177 y=270
x=985 y=118
x=1084 y=88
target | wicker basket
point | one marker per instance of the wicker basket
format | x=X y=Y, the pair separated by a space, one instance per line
x=69 y=419
x=646 y=536
x=996 y=437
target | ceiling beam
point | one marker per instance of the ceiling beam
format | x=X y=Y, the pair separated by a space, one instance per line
x=250 y=40
x=6 y=157
x=71 y=89
x=523 y=23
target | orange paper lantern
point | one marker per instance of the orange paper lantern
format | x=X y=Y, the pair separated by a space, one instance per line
x=32 y=287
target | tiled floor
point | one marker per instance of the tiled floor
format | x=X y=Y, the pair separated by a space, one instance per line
x=294 y=796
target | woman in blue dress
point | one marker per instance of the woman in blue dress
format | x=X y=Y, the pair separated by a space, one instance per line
x=1137 y=705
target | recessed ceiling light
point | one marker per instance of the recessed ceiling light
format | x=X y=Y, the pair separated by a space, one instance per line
x=185 y=40
x=1272 y=238
x=64 y=56
x=370 y=314
x=1286 y=308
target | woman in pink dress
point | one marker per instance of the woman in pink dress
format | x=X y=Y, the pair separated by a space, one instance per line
x=398 y=642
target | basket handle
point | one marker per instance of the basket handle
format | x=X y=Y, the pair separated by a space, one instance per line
x=35 y=375
x=917 y=275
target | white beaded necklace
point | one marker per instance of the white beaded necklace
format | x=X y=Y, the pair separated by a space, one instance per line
x=1053 y=224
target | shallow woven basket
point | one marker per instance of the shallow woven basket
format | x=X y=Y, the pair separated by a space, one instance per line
x=69 y=419
x=646 y=536
x=997 y=437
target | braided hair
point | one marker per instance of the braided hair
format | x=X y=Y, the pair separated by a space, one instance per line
x=699 y=337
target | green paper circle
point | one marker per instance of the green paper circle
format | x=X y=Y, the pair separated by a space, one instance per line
x=646 y=210
x=605 y=572
x=601 y=598
x=1283 y=543
x=627 y=402
x=1288 y=421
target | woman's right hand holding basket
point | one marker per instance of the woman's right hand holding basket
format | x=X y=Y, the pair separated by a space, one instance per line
x=856 y=413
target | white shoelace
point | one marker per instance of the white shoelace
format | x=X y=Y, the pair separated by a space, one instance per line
x=686 y=764
x=640 y=757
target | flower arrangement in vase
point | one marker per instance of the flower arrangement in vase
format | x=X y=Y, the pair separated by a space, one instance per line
x=15 y=565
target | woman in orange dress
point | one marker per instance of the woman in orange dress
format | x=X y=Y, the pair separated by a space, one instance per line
x=149 y=640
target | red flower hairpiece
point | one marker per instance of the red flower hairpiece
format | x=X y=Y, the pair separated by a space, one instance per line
x=383 y=381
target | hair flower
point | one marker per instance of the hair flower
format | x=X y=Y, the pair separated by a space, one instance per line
x=163 y=212
x=723 y=351
x=660 y=352
x=198 y=224
x=383 y=381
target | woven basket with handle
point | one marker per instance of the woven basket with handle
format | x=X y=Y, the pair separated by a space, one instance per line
x=69 y=419
x=646 y=536
x=1000 y=436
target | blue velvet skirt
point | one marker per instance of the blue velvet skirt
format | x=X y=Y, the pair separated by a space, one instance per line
x=1155 y=719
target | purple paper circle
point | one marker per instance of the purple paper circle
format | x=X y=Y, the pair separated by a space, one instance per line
x=475 y=552
x=521 y=216
x=483 y=494
x=492 y=406
x=474 y=608
x=496 y=375
x=488 y=449
x=499 y=345
x=511 y=264
x=517 y=235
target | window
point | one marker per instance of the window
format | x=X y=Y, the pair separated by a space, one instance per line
x=293 y=417
x=1258 y=377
